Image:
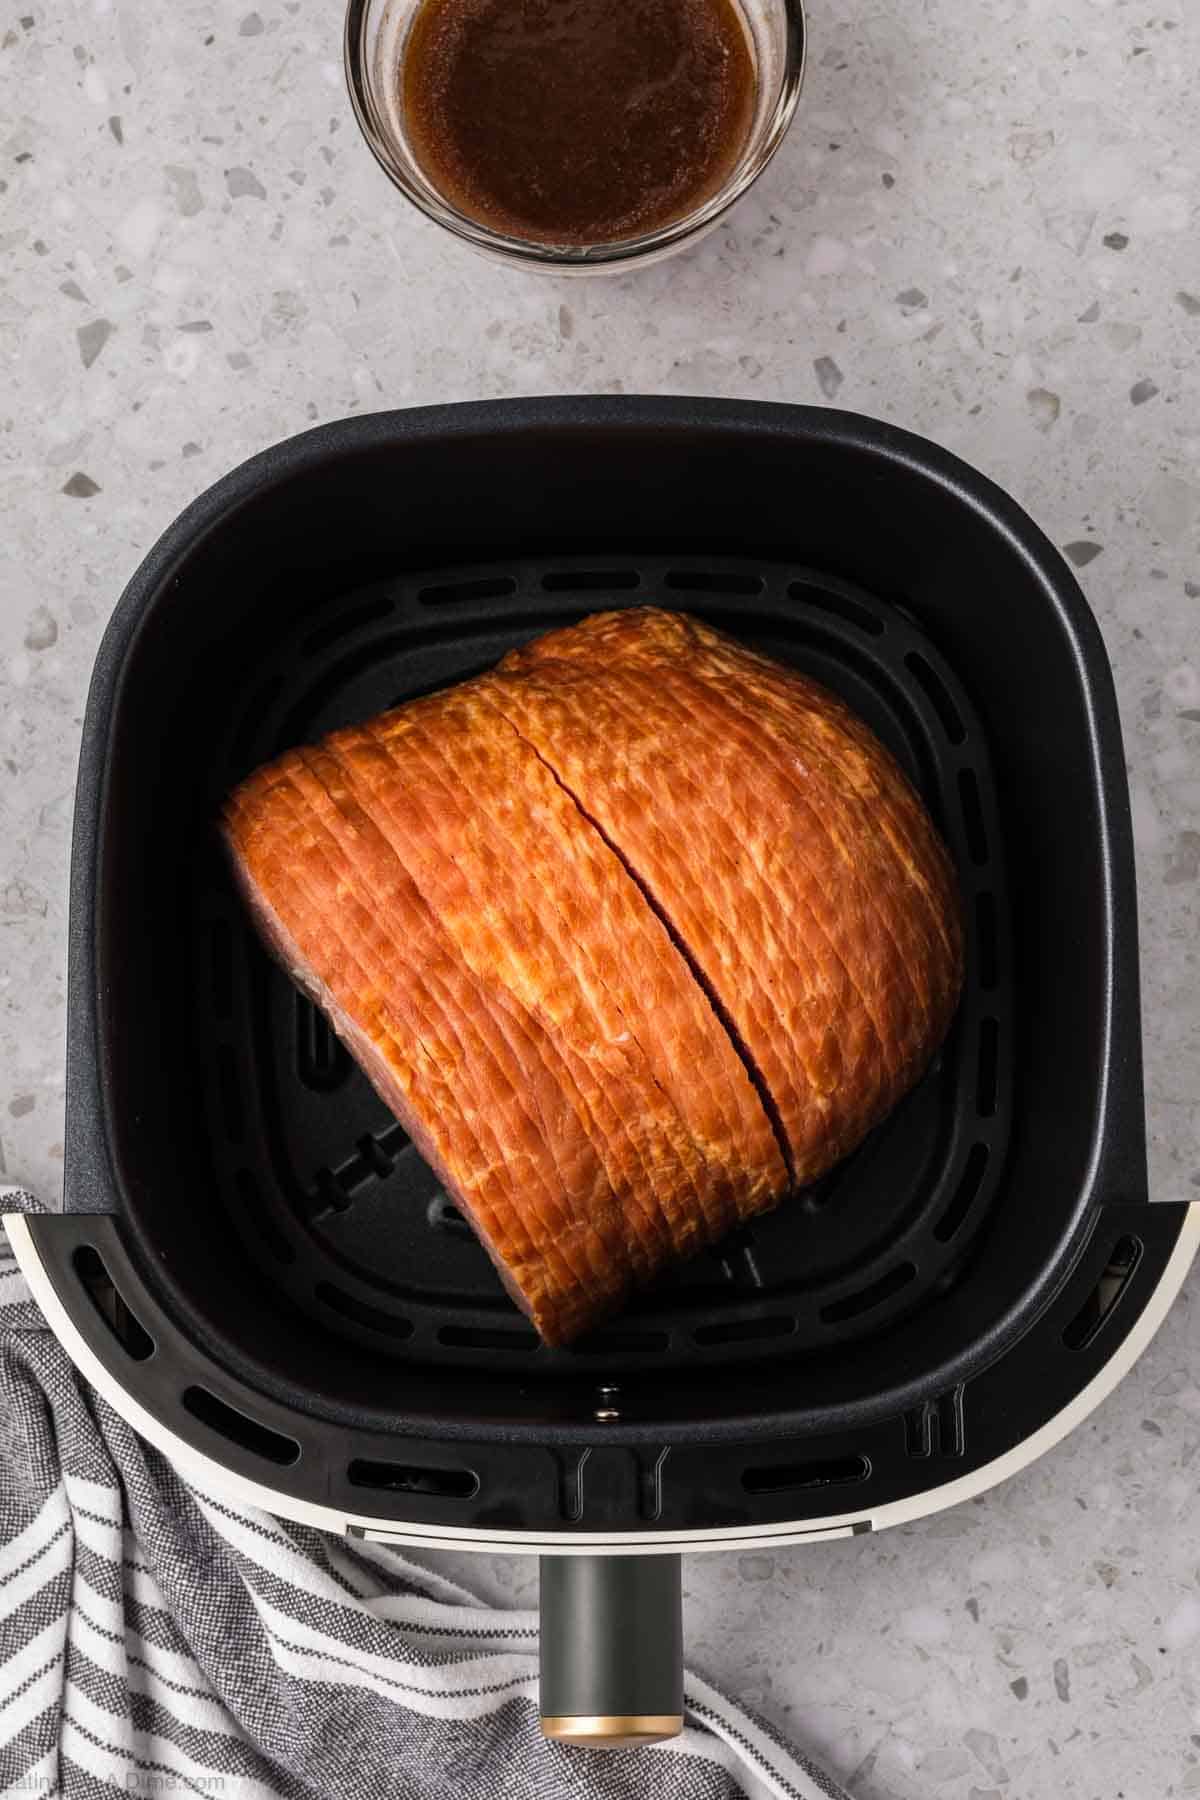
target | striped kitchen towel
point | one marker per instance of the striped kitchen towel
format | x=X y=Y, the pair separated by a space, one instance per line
x=155 y=1639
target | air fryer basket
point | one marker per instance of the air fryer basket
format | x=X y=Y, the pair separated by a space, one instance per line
x=254 y=1255
x=334 y=1203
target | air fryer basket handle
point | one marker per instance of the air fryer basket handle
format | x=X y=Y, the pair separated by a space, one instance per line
x=611 y=1649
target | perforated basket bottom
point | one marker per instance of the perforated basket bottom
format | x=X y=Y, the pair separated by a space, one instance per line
x=328 y=1196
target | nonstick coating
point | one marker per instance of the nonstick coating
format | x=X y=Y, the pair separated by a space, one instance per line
x=284 y=1243
x=334 y=1203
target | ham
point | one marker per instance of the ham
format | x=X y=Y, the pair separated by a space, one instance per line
x=633 y=934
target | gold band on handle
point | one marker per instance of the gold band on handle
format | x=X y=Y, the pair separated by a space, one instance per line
x=609 y=1731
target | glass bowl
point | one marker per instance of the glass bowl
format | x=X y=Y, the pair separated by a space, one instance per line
x=376 y=33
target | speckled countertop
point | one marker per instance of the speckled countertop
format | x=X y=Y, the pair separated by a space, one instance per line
x=985 y=226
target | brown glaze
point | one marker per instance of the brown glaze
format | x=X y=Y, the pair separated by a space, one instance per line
x=578 y=121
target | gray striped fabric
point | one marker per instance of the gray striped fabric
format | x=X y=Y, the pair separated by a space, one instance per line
x=155 y=1639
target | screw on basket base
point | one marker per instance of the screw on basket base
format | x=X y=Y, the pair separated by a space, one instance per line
x=611 y=1649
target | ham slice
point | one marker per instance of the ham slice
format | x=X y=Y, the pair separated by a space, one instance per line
x=631 y=934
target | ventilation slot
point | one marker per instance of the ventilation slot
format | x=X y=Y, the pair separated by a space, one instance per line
x=375 y=1157
x=321 y=1062
x=840 y=605
x=986 y=940
x=818 y=1194
x=972 y=812
x=231 y=1094
x=869 y=1297
x=964 y=1195
x=443 y=1215
x=250 y=1197
x=220 y=947
x=101 y=1290
x=373 y=1317
x=371 y=1164
x=712 y=581
x=330 y=1197
x=935 y=692
x=952 y=1434
x=570 y=1486
x=235 y=1426
x=781 y=1478
x=745 y=1331
x=590 y=581
x=408 y=1478
x=989 y=1055
x=650 y=1486
x=454 y=593
x=472 y=1337
x=918 y=1437
x=738 y=1261
x=1097 y=1308
x=344 y=624
x=936 y=1427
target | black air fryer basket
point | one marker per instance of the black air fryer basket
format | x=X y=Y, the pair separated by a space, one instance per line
x=253 y=1261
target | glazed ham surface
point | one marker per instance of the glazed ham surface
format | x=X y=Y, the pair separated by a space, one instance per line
x=632 y=935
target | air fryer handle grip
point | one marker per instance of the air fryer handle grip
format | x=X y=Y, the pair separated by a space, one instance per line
x=611 y=1649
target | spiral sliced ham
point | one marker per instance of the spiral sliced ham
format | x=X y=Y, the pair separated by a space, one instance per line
x=632 y=934
x=799 y=868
